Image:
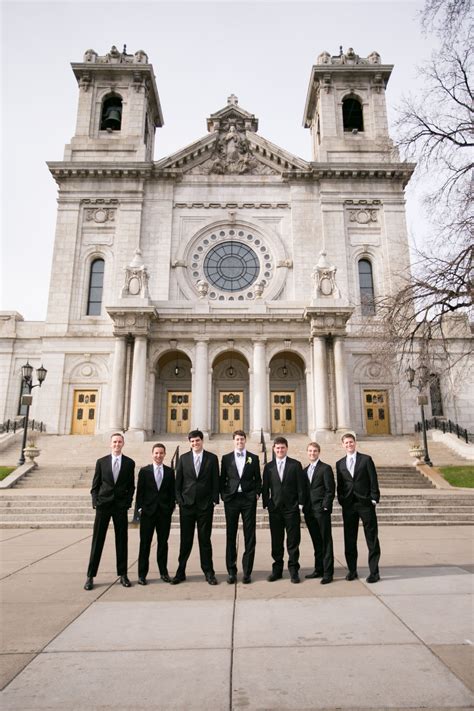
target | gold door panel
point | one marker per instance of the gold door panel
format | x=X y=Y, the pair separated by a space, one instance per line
x=231 y=412
x=376 y=412
x=283 y=412
x=178 y=412
x=84 y=412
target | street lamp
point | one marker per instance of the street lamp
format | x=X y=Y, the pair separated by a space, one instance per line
x=27 y=377
x=423 y=377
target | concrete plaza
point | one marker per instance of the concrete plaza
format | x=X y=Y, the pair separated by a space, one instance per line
x=404 y=643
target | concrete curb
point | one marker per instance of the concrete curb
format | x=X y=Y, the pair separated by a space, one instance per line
x=16 y=475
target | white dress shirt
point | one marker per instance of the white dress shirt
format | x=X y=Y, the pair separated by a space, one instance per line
x=240 y=457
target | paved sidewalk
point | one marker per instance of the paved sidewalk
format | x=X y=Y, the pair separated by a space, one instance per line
x=404 y=643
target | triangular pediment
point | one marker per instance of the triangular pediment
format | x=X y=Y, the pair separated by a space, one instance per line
x=232 y=153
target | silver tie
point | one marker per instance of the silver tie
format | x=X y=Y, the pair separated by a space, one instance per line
x=310 y=473
x=159 y=477
x=197 y=465
x=351 y=466
x=116 y=469
x=280 y=469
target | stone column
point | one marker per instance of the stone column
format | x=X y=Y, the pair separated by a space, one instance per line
x=200 y=387
x=320 y=385
x=259 y=394
x=117 y=397
x=342 y=390
x=138 y=389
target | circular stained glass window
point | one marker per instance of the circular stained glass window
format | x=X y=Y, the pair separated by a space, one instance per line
x=231 y=266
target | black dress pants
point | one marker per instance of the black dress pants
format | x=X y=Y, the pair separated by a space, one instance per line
x=351 y=513
x=191 y=517
x=282 y=520
x=161 y=523
x=319 y=527
x=101 y=524
x=240 y=505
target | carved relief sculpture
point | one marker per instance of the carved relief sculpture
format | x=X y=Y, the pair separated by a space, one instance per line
x=324 y=279
x=136 y=278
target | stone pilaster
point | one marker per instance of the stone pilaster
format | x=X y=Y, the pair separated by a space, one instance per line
x=117 y=400
x=200 y=388
x=259 y=395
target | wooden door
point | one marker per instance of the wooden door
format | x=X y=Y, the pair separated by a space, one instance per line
x=178 y=412
x=283 y=412
x=84 y=412
x=376 y=412
x=231 y=411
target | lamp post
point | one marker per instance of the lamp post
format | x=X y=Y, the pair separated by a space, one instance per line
x=27 y=378
x=423 y=377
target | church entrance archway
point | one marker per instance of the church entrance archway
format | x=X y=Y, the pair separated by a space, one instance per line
x=288 y=400
x=230 y=399
x=173 y=402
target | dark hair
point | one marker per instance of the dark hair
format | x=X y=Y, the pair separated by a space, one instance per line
x=348 y=435
x=239 y=433
x=117 y=434
x=195 y=433
x=160 y=445
x=280 y=440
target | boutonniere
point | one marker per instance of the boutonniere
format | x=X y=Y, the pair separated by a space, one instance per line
x=249 y=460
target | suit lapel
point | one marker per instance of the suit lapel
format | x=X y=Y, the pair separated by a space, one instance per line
x=356 y=465
x=316 y=470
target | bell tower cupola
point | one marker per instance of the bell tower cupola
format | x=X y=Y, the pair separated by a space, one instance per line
x=346 y=110
x=118 y=110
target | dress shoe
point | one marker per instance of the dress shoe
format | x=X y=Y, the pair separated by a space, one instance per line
x=314 y=574
x=166 y=578
x=211 y=579
x=295 y=578
x=142 y=581
x=89 y=584
x=246 y=580
x=352 y=575
x=178 y=579
x=373 y=578
x=325 y=581
x=125 y=581
x=231 y=579
x=274 y=576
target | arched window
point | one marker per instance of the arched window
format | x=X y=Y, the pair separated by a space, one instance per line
x=366 y=286
x=352 y=117
x=96 y=287
x=111 y=117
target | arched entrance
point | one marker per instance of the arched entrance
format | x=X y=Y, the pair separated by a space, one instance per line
x=173 y=394
x=230 y=393
x=288 y=401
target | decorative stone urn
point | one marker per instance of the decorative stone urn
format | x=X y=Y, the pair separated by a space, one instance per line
x=416 y=451
x=31 y=451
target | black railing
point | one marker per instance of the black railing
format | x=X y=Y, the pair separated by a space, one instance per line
x=438 y=423
x=175 y=458
x=264 y=446
x=18 y=423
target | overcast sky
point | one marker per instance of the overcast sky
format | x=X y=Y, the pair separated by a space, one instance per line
x=201 y=53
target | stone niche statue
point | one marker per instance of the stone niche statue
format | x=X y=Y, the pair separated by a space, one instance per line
x=324 y=279
x=136 y=278
x=232 y=153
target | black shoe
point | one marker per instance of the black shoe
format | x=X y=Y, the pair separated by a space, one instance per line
x=246 y=580
x=325 y=581
x=231 y=579
x=373 y=578
x=178 y=579
x=314 y=574
x=125 y=581
x=166 y=578
x=274 y=576
x=211 y=579
x=142 y=581
x=352 y=575
x=295 y=578
x=89 y=584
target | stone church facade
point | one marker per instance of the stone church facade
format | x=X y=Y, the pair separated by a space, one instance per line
x=230 y=285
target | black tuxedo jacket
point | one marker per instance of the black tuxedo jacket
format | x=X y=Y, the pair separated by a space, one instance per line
x=149 y=499
x=202 y=490
x=284 y=495
x=320 y=493
x=250 y=483
x=105 y=492
x=364 y=487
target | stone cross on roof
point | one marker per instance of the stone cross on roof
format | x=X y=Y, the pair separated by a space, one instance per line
x=232 y=99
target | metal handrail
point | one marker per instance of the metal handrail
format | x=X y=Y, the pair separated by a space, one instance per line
x=264 y=446
x=446 y=426
x=175 y=458
x=18 y=423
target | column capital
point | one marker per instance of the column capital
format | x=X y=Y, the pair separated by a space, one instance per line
x=329 y=321
x=133 y=321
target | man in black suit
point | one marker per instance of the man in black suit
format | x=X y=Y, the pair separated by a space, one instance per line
x=358 y=493
x=282 y=495
x=319 y=490
x=112 y=493
x=155 y=504
x=240 y=487
x=197 y=492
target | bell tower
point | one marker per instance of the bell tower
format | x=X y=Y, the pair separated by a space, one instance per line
x=346 y=110
x=119 y=108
